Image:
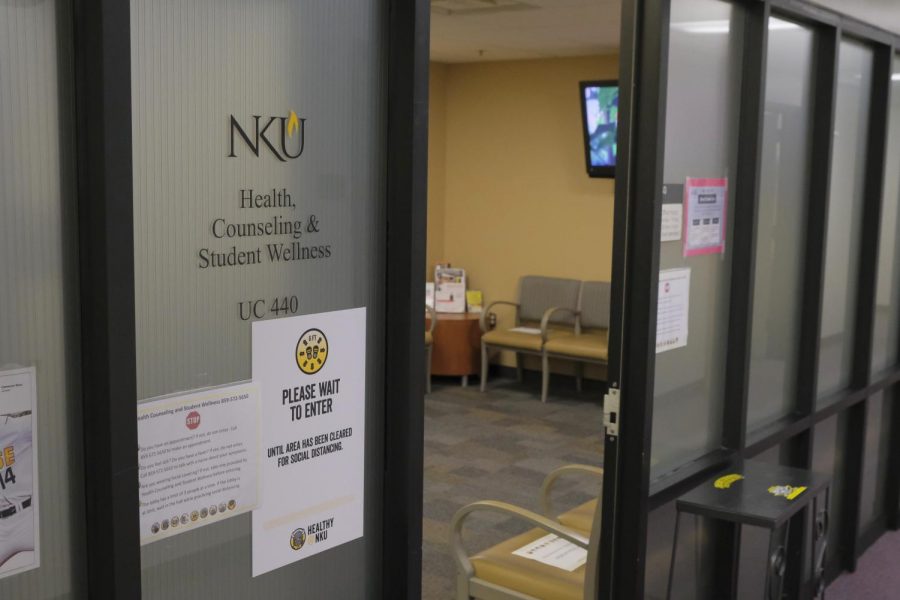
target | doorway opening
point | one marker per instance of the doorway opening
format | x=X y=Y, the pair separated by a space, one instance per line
x=522 y=99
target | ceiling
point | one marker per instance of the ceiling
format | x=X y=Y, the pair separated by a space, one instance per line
x=883 y=13
x=486 y=30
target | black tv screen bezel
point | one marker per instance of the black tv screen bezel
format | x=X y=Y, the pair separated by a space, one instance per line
x=607 y=172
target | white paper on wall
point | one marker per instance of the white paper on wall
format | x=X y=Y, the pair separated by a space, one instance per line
x=311 y=371
x=198 y=459
x=672 y=309
x=670 y=229
x=19 y=505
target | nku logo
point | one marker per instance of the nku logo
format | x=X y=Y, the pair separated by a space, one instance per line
x=261 y=130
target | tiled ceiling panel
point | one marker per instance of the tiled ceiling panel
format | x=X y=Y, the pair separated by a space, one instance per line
x=486 y=30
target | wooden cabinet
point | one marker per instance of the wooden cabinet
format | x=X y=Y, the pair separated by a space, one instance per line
x=457 y=345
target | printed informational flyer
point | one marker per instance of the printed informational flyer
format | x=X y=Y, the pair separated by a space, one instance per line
x=670 y=228
x=19 y=531
x=705 y=205
x=672 y=309
x=311 y=370
x=198 y=459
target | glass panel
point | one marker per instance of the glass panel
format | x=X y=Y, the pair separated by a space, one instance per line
x=845 y=204
x=887 y=315
x=38 y=281
x=875 y=474
x=195 y=64
x=777 y=293
x=828 y=458
x=704 y=53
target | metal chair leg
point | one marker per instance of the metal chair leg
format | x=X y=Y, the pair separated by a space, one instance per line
x=428 y=370
x=579 y=376
x=484 y=365
x=545 y=376
x=520 y=369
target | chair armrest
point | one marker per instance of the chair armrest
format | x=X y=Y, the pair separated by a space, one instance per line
x=545 y=320
x=549 y=480
x=432 y=315
x=482 y=322
x=461 y=556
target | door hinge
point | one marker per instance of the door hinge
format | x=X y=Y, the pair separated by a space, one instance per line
x=611 y=412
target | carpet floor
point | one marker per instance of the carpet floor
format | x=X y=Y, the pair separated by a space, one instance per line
x=876 y=576
x=499 y=445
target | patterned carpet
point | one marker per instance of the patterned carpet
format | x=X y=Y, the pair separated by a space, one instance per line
x=876 y=576
x=499 y=445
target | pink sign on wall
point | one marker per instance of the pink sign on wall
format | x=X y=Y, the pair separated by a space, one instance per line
x=705 y=207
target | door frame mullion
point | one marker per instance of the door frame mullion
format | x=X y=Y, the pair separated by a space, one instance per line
x=404 y=385
x=106 y=265
x=639 y=180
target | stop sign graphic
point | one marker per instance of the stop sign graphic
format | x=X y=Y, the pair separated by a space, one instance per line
x=193 y=420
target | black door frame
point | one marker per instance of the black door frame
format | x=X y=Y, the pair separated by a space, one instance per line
x=106 y=262
x=643 y=80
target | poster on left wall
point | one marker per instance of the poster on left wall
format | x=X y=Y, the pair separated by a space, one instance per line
x=19 y=533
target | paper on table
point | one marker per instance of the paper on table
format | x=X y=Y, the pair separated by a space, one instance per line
x=554 y=551
x=528 y=330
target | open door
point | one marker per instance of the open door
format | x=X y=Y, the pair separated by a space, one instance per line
x=755 y=242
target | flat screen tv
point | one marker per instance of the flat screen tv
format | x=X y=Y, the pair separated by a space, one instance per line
x=599 y=118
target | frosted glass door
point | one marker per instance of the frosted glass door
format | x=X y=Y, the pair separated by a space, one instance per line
x=259 y=178
x=39 y=309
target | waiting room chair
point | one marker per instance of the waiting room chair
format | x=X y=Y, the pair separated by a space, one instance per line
x=546 y=308
x=429 y=345
x=498 y=574
x=589 y=343
x=581 y=517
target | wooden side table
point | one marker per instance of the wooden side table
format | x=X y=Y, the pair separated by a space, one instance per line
x=457 y=345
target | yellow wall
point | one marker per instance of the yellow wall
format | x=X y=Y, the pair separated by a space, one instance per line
x=512 y=196
x=437 y=157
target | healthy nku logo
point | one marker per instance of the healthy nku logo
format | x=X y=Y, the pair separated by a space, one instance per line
x=298 y=538
x=284 y=137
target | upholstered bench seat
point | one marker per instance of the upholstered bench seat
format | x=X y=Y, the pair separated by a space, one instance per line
x=580 y=518
x=514 y=339
x=498 y=565
x=593 y=345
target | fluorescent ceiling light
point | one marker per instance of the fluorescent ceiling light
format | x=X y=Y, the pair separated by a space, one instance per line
x=725 y=26
x=703 y=26
x=468 y=7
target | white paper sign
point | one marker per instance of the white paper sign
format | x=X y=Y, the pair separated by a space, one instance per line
x=554 y=551
x=198 y=459
x=19 y=531
x=311 y=370
x=672 y=309
x=670 y=230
